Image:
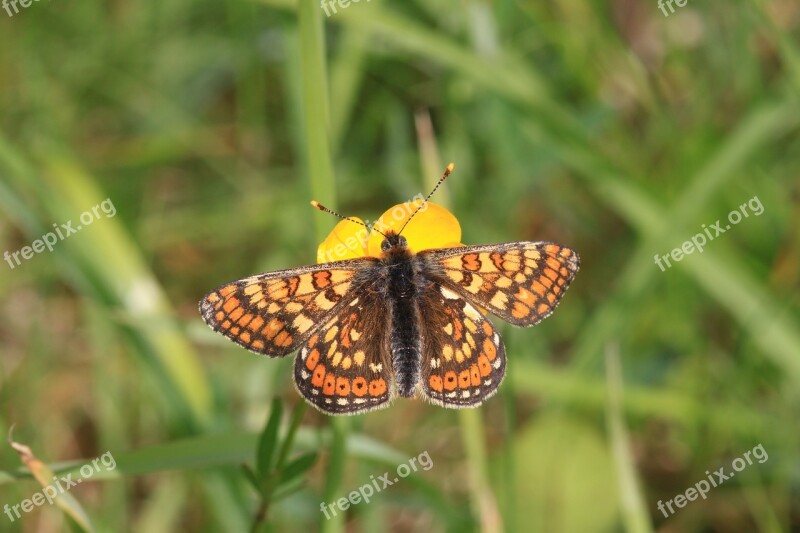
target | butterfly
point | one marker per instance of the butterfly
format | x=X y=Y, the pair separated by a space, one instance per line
x=401 y=324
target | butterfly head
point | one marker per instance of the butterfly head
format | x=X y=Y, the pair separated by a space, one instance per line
x=393 y=241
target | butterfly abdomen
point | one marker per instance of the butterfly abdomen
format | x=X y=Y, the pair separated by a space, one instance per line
x=405 y=333
x=405 y=346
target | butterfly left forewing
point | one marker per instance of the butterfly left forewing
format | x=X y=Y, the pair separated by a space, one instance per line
x=521 y=282
x=275 y=312
x=463 y=357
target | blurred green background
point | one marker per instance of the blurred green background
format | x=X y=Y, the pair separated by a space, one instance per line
x=605 y=126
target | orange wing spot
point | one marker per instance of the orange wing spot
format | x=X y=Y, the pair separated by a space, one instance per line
x=328 y=386
x=543 y=308
x=236 y=314
x=226 y=324
x=235 y=330
x=553 y=263
x=483 y=366
x=230 y=305
x=547 y=282
x=511 y=266
x=344 y=336
x=377 y=387
x=322 y=279
x=313 y=340
x=293 y=283
x=436 y=383
x=257 y=345
x=551 y=297
x=464 y=379
x=458 y=330
x=312 y=359
x=225 y=291
x=359 y=387
x=497 y=260
x=256 y=324
x=273 y=327
x=246 y=319
x=564 y=272
x=277 y=290
x=342 y=386
x=550 y=273
x=475 y=375
x=520 y=310
x=245 y=337
x=552 y=249
x=319 y=376
x=212 y=298
x=566 y=252
x=525 y=295
x=450 y=381
x=471 y=262
x=538 y=288
x=557 y=289
x=283 y=339
x=489 y=349
x=220 y=316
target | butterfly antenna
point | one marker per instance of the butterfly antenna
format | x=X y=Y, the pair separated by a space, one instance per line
x=334 y=213
x=447 y=172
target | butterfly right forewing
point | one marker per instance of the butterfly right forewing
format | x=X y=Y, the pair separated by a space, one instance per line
x=274 y=313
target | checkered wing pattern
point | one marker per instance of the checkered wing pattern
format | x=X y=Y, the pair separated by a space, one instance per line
x=345 y=367
x=463 y=357
x=521 y=282
x=276 y=312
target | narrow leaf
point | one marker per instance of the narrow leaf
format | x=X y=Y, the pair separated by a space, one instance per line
x=268 y=441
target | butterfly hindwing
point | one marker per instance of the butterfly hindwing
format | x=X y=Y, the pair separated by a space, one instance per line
x=521 y=282
x=345 y=367
x=274 y=313
x=463 y=357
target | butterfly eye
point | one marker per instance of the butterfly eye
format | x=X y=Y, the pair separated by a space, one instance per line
x=402 y=241
x=385 y=245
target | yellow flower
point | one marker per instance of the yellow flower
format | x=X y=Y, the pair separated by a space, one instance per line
x=432 y=227
x=348 y=240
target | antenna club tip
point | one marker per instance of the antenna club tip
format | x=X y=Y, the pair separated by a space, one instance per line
x=316 y=204
x=450 y=167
